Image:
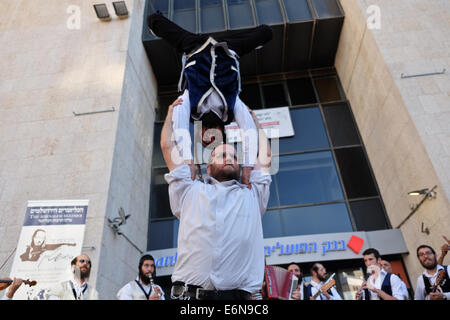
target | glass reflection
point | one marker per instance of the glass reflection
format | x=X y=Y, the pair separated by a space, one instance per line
x=308 y=178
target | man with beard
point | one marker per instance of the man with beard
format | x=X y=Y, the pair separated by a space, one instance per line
x=76 y=288
x=426 y=281
x=220 y=239
x=299 y=293
x=319 y=276
x=141 y=288
x=379 y=284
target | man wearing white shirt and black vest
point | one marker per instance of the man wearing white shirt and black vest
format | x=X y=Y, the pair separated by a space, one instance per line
x=319 y=277
x=388 y=268
x=143 y=288
x=220 y=238
x=379 y=284
x=426 y=288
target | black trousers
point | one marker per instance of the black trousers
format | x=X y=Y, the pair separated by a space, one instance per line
x=183 y=41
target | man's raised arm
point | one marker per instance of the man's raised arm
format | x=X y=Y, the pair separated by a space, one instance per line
x=169 y=151
x=171 y=154
x=264 y=159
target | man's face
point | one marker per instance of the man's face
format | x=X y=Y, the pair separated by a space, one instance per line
x=427 y=258
x=39 y=238
x=295 y=269
x=386 y=266
x=148 y=267
x=370 y=259
x=321 y=273
x=84 y=265
x=224 y=164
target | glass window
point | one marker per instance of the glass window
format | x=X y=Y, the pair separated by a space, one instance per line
x=340 y=124
x=184 y=14
x=328 y=218
x=327 y=89
x=240 y=14
x=308 y=178
x=159 y=195
x=355 y=173
x=273 y=198
x=301 y=91
x=183 y=4
x=327 y=8
x=163 y=105
x=163 y=234
x=297 y=10
x=212 y=16
x=368 y=215
x=309 y=131
x=161 y=5
x=275 y=96
x=272 y=224
x=268 y=11
x=157 y=157
x=251 y=96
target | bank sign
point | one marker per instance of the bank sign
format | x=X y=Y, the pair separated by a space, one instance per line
x=310 y=248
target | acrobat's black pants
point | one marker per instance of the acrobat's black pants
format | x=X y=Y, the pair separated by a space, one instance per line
x=242 y=42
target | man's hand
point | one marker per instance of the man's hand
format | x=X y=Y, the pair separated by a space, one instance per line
x=436 y=296
x=326 y=294
x=246 y=176
x=156 y=296
x=296 y=293
x=359 y=292
x=445 y=247
x=17 y=282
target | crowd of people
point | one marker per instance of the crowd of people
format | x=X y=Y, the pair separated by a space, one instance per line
x=380 y=283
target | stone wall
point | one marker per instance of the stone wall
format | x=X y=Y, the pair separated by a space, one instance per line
x=57 y=66
x=406 y=136
x=131 y=169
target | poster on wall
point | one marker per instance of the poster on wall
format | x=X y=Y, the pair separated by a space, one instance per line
x=52 y=235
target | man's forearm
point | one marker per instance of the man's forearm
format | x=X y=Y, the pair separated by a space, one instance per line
x=167 y=145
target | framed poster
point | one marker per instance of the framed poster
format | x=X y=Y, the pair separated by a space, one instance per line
x=51 y=236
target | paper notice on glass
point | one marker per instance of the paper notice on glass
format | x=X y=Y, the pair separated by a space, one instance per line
x=276 y=123
x=52 y=235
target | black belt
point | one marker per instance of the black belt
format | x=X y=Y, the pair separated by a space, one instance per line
x=198 y=293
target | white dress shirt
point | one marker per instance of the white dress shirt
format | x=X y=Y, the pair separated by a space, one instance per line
x=396 y=285
x=65 y=291
x=220 y=238
x=316 y=287
x=131 y=291
x=420 y=293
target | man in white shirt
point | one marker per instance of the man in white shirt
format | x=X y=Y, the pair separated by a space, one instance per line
x=76 y=288
x=143 y=287
x=319 y=277
x=220 y=238
x=388 y=268
x=379 y=285
x=426 y=281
